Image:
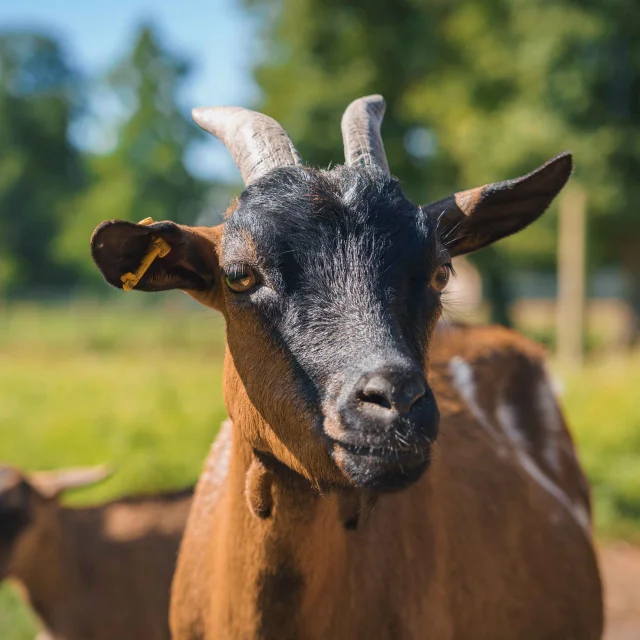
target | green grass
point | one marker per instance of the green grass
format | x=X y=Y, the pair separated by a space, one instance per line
x=137 y=387
x=137 y=384
x=603 y=408
x=16 y=620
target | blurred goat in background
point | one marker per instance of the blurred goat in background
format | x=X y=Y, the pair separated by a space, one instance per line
x=100 y=572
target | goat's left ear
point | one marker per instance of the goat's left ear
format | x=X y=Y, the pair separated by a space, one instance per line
x=191 y=264
x=470 y=220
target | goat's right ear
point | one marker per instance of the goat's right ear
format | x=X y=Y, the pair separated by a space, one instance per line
x=119 y=247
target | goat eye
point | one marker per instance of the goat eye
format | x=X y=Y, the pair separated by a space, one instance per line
x=240 y=278
x=441 y=278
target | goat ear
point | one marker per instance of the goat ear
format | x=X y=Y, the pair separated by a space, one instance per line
x=51 y=484
x=471 y=220
x=119 y=247
x=15 y=509
x=9 y=478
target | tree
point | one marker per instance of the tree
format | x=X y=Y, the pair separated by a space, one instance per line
x=145 y=174
x=476 y=92
x=609 y=119
x=40 y=170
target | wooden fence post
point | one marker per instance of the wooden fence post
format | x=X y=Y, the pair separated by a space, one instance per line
x=570 y=308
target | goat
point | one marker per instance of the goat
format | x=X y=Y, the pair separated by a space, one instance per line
x=94 y=573
x=326 y=508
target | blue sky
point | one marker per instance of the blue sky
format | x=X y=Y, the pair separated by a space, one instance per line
x=216 y=34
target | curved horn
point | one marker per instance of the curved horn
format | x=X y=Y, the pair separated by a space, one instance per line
x=256 y=142
x=361 y=133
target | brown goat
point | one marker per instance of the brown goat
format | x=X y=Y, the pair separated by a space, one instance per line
x=326 y=508
x=94 y=573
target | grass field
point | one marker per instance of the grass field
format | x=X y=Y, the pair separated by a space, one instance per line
x=139 y=386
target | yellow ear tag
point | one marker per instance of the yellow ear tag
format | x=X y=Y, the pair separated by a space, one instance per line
x=158 y=249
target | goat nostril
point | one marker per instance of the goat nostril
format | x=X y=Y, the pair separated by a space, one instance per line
x=377 y=391
x=419 y=391
x=375 y=398
x=399 y=395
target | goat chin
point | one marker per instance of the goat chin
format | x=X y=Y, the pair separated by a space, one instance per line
x=386 y=474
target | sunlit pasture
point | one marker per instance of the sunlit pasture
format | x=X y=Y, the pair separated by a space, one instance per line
x=137 y=384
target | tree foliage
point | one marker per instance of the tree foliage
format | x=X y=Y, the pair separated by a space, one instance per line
x=40 y=170
x=145 y=174
x=476 y=92
x=52 y=194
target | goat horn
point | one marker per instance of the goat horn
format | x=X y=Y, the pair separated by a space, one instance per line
x=256 y=142
x=361 y=133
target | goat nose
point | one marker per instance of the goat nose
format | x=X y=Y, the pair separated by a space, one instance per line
x=392 y=391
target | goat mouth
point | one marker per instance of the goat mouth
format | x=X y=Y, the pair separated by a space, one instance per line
x=391 y=454
x=380 y=468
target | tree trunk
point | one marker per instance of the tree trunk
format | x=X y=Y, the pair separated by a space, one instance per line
x=496 y=287
x=630 y=257
x=570 y=303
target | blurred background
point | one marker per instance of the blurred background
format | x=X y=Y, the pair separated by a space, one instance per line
x=94 y=124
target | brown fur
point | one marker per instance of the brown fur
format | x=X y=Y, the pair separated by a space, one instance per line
x=466 y=201
x=103 y=572
x=259 y=488
x=480 y=547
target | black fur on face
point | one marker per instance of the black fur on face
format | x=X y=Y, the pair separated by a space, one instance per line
x=342 y=301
